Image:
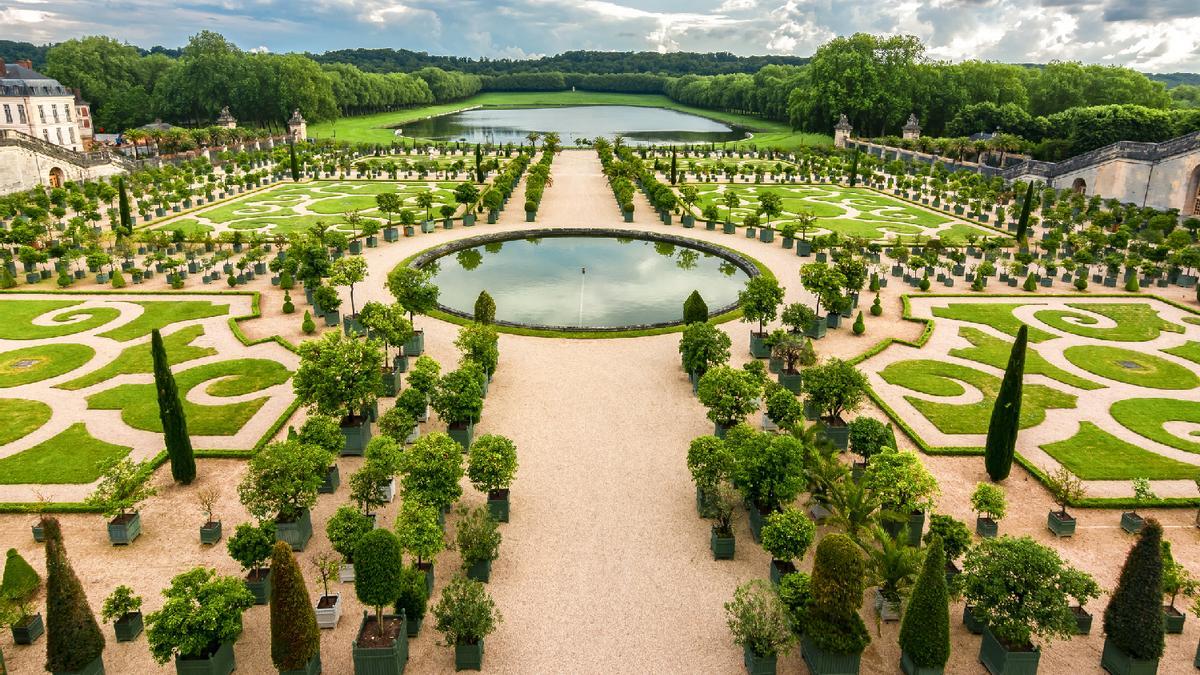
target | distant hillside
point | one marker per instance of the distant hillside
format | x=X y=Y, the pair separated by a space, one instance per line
x=1175 y=79
x=15 y=51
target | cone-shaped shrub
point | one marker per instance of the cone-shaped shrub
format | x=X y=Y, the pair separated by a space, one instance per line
x=1023 y=220
x=485 y=308
x=1133 y=619
x=307 y=325
x=695 y=309
x=294 y=635
x=170 y=411
x=838 y=582
x=1006 y=413
x=1132 y=285
x=925 y=633
x=20 y=579
x=859 y=326
x=73 y=638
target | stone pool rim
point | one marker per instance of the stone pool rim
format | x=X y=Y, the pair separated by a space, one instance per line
x=743 y=262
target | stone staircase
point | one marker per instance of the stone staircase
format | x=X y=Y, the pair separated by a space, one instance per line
x=83 y=160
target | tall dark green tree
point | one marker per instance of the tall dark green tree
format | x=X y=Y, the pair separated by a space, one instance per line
x=854 y=169
x=295 y=165
x=674 y=166
x=1023 y=221
x=485 y=308
x=123 y=207
x=478 y=164
x=1133 y=619
x=170 y=411
x=295 y=638
x=695 y=310
x=925 y=632
x=73 y=638
x=1006 y=413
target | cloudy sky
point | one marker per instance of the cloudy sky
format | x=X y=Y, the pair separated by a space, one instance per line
x=1151 y=35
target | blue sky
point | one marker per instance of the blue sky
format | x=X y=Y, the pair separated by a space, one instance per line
x=1151 y=35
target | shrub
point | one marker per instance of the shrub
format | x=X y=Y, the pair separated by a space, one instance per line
x=432 y=470
x=876 y=308
x=1081 y=283
x=120 y=602
x=834 y=387
x=458 y=398
x=1030 y=284
x=838 y=582
x=900 y=481
x=418 y=531
x=282 y=480
x=695 y=310
x=20 y=581
x=485 y=308
x=288 y=306
x=295 y=638
x=377 y=567
x=1132 y=284
x=925 y=283
x=345 y=528
x=710 y=461
x=307 y=326
x=925 y=631
x=118 y=279
x=423 y=375
x=397 y=423
x=202 y=611
x=1133 y=618
x=867 y=436
x=729 y=394
x=784 y=408
x=795 y=591
x=73 y=639
x=323 y=432
x=479 y=342
x=859 y=326
x=953 y=533
x=413 y=596
x=768 y=468
x=250 y=546
x=477 y=535
x=758 y=619
x=703 y=346
x=466 y=613
x=787 y=534
x=988 y=499
x=492 y=463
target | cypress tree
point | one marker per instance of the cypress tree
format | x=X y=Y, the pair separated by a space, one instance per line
x=123 y=206
x=1133 y=619
x=674 y=169
x=854 y=169
x=1023 y=221
x=695 y=310
x=478 y=164
x=925 y=632
x=1006 y=413
x=295 y=639
x=295 y=165
x=170 y=411
x=73 y=638
x=485 y=308
x=8 y=281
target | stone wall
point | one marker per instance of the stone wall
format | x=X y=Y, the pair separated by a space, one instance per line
x=22 y=169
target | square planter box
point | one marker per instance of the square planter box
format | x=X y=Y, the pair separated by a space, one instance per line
x=1132 y=522
x=909 y=668
x=220 y=662
x=480 y=571
x=723 y=548
x=497 y=502
x=758 y=665
x=468 y=657
x=128 y=627
x=122 y=530
x=839 y=435
x=1000 y=661
x=986 y=527
x=258 y=582
x=389 y=660
x=1173 y=620
x=464 y=433
x=1083 y=620
x=974 y=626
x=30 y=632
x=821 y=662
x=313 y=667
x=817 y=329
x=296 y=533
x=210 y=533
x=415 y=346
x=1114 y=660
x=333 y=479
x=1060 y=525
x=357 y=432
x=329 y=610
x=758 y=346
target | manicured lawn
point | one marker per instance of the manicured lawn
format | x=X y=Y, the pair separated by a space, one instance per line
x=997 y=315
x=34 y=364
x=378 y=128
x=20 y=417
x=189 y=226
x=72 y=456
x=138 y=403
x=994 y=352
x=1130 y=367
x=1146 y=416
x=1095 y=454
x=1136 y=322
x=939 y=378
x=158 y=314
x=1189 y=350
x=16 y=318
x=137 y=359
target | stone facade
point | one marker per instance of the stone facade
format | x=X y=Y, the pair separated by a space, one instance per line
x=297 y=127
x=912 y=130
x=38 y=106
x=22 y=168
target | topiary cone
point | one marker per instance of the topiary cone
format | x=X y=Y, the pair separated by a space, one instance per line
x=1006 y=413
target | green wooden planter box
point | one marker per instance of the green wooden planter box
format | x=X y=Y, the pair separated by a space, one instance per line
x=313 y=667
x=391 y=234
x=210 y=533
x=757 y=520
x=1083 y=620
x=1173 y=620
x=1114 y=660
x=986 y=527
x=96 y=667
x=260 y=588
x=415 y=346
x=39 y=535
x=790 y=381
x=1060 y=526
x=333 y=478
x=909 y=668
x=122 y=530
x=816 y=329
x=30 y=632
x=128 y=627
x=391 y=383
x=778 y=569
x=463 y=433
x=480 y=571
x=758 y=346
x=1000 y=661
x=296 y=533
x=729 y=228
x=413 y=626
x=758 y=665
x=468 y=657
x=498 y=505
x=381 y=660
x=839 y=436
x=723 y=548
x=220 y=662
x=1132 y=522
x=357 y=436
x=974 y=626
x=821 y=662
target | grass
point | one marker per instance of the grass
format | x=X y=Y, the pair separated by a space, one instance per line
x=1095 y=454
x=20 y=417
x=994 y=352
x=189 y=226
x=1189 y=350
x=1136 y=322
x=48 y=361
x=997 y=315
x=1146 y=416
x=72 y=456
x=1148 y=371
x=378 y=128
x=939 y=378
x=16 y=318
x=157 y=314
x=137 y=359
x=138 y=403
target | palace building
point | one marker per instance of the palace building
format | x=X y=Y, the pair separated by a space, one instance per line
x=38 y=106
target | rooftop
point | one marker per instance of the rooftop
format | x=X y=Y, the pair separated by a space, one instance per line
x=20 y=79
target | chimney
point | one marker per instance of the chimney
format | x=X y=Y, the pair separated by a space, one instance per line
x=27 y=63
x=3 y=68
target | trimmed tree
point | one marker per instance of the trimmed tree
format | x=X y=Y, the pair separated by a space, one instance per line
x=925 y=630
x=432 y=470
x=123 y=207
x=170 y=411
x=73 y=638
x=338 y=377
x=377 y=572
x=760 y=300
x=492 y=463
x=702 y=346
x=729 y=394
x=292 y=163
x=1006 y=413
x=201 y=612
x=1023 y=220
x=295 y=639
x=1133 y=620
x=695 y=309
x=838 y=581
x=485 y=308
x=414 y=289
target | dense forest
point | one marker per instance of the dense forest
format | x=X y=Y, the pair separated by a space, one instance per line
x=1054 y=110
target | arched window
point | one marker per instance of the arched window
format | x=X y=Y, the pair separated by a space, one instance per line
x=1079 y=186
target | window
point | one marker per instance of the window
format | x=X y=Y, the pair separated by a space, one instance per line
x=54 y=112
x=7 y=114
x=71 y=132
x=21 y=112
x=58 y=132
x=46 y=134
x=42 y=113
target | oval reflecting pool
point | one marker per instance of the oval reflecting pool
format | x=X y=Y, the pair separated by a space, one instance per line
x=638 y=124
x=586 y=281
